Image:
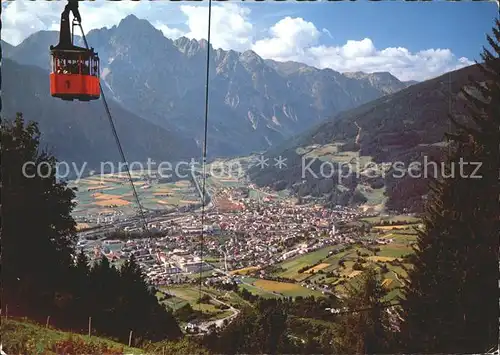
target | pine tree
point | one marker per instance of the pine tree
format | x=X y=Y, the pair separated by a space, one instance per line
x=81 y=282
x=132 y=274
x=40 y=276
x=104 y=289
x=273 y=327
x=139 y=309
x=450 y=303
x=365 y=331
x=267 y=322
x=38 y=232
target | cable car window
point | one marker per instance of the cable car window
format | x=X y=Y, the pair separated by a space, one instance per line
x=86 y=67
x=96 y=66
x=93 y=66
x=62 y=65
x=73 y=67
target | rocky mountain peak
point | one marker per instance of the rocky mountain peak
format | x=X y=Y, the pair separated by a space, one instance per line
x=250 y=56
x=133 y=28
x=188 y=46
x=132 y=20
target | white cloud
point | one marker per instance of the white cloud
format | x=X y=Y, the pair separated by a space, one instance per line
x=230 y=27
x=400 y=62
x=107 y=14
x=324 y=30
x=169 y=32
x=297 y=40
x=356 y=49
x=289 y=39
x=21 y=18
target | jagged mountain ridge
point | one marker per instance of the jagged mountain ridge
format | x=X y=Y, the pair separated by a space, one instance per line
x=381 y=80
x=254 y=103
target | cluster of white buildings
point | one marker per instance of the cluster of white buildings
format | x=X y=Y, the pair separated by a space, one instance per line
x=186 y=262
x=261 y=234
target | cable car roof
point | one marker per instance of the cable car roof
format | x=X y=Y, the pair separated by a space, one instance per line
x=73 y=49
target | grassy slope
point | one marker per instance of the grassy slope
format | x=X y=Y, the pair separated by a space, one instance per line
x=25 y=337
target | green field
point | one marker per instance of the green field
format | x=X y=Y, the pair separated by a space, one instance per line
x=259 y=195
x=107 y=193
x=275 y=289
x=190 y=294
x=204 y=274
x=374 y=196
x=333 y=273
x=399 y=218
x=394 y=250
x=292 y=265
x=330 y=152
x=227 y=172
x=215 y=182
x=258 y=292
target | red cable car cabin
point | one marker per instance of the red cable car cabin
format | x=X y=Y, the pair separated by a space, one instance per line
x=75 y=74
x=75 y=70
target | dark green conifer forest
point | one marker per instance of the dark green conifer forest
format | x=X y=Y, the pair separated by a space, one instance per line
x=451 y=301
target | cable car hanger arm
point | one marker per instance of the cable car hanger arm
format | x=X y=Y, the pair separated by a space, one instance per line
x=65 y=39
x=73 y=7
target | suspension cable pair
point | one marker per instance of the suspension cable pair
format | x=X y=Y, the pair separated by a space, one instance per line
x=204 y=153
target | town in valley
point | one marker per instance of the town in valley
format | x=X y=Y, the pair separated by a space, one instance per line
x=261 y=241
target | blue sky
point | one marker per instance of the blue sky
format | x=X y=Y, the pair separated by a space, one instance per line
x=413 y=41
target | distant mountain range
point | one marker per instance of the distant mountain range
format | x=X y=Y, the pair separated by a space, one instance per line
x=405 y=127
x=156 y=86
x=79 y=131
x=254 y=103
